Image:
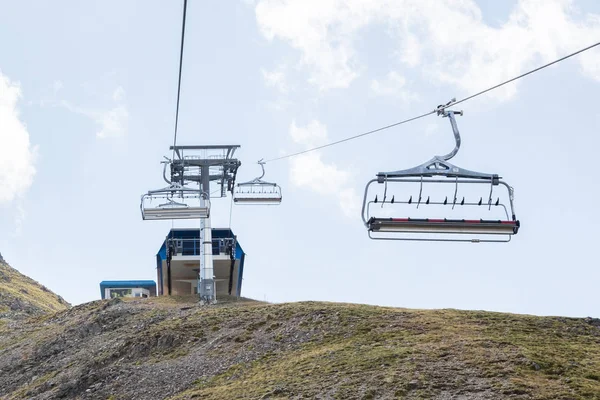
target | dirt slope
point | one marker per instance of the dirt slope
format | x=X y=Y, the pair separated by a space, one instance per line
x=22 y=297
x=170 y=348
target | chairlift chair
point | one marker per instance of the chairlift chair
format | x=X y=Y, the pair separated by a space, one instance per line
x=174 y=202
x=482 y=219
x=257 y=191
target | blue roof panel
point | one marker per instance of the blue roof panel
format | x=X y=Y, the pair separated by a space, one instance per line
x=126 y=284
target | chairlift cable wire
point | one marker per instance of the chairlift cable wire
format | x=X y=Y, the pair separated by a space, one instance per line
x=437 y=109
x=179 y=79
x=526 y=73
x=352 y=137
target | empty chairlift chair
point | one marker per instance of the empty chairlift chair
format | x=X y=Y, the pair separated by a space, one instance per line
x=467 y=210
x=257 y=191
x=174 y=202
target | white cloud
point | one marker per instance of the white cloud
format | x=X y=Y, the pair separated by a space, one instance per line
x=449 y=42
x=393 y=85
x=17 y=156
x=57 y=85
x=309 y=171
x=112 y=122
x=119 y=94
x=309 y=27
x=410 y=50
x=278 y=105
x=314 y=134
x=276 y=79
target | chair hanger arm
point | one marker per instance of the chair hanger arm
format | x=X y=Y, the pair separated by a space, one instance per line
x=450 y=115
x=165 y=171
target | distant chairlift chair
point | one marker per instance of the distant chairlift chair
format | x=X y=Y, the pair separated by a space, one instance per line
x=175 y=202
x=257 y=191
x=472 y=229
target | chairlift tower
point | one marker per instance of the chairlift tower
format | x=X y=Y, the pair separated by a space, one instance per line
x=203 y=165
x=199 y=165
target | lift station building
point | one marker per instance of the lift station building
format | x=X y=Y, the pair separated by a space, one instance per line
x=136 y=288
x=178 y=262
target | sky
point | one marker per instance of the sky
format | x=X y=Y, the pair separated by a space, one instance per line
x=87 y=105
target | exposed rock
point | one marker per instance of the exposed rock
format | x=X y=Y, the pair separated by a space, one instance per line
x=593 y=321
x=22 y=297
x=166 y=348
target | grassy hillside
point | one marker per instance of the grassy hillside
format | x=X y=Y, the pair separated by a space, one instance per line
x=22 y=297
x=171 y=348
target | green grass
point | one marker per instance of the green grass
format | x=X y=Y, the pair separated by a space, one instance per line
x=329 y=350
x=371 y=351
x=14 y=284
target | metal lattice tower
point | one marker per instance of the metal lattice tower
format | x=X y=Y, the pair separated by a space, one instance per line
x=203 y=165
x=191 y=166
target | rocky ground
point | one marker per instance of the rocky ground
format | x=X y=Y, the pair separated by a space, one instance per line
x=21 y=297
x=161 y=348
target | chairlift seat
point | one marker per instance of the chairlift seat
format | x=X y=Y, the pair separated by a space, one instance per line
x=452 y=226
x=181 y=203
x=257 y=191
x=171 y=212
x=274 y=199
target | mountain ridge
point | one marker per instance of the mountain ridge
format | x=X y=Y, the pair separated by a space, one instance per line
x=22 y=297
x=173 y=348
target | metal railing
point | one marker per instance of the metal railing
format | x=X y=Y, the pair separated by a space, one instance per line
x=191 y=247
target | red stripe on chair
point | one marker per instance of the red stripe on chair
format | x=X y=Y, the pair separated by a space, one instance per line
x=446 y=221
